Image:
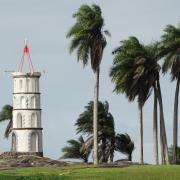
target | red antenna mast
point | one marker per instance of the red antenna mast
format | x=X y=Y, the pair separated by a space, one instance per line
x=26 y=53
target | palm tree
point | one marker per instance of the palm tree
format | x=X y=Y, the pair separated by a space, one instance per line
x=135 y=72
x=106 y=131
x=87 y=37
x=170 y=48
x=6 y=114
x=154 y=55
x=76 y=150
x=170 y=151
x=124 y=144
x=127 y=74
x=108 y=141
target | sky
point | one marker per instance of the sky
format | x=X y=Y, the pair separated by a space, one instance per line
x=66 y=86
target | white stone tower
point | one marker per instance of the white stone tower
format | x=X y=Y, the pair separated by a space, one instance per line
x=27 y=129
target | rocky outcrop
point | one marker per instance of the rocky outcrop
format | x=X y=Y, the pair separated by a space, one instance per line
x=13 y=159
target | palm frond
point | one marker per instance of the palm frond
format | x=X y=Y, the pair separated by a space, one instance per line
x=6 y=114
x=107 y=33
x=124 y=144
x=87 y=36
x=169 y=49
x=8 y=129
x=75 y=150
x=135 y=68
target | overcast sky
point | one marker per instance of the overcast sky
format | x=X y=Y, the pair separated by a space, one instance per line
x=66 y=87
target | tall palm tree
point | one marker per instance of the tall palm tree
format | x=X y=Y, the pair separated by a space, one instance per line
x=106 y=131
x=76 y=150
x=154 y=55
x=124 y=144
x=6 y=114
x=127 y=74
x=87 y=37
x=135 y=72
x=170 y=48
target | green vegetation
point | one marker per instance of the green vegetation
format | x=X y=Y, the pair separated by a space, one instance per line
x=108 y=140
x=148 y=172
x=135 y=73
x=76 y=150
x=125 y=145
x=170 y=151
x=88 y=39
x=6 y=114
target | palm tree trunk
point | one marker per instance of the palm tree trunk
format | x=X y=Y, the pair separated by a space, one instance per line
x=162 y=143
x=162 y=123
x=86 y=160
x=140 y=129
x=103 y=149
x=130 y=157
x=155 y=131
x=112 y=149
x=175 y=122
x=95 y=116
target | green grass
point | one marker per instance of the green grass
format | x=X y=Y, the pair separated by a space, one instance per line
x=147 y=172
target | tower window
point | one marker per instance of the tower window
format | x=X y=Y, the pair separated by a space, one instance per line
x=21 y=83
x=22 y=102
x=33 y=104
x=37 y=85
x=13 y=148
x=28 y=84
x=19 y=120
x=34 y=142
x=15 y=84
x=33 y=84
x=33 y=120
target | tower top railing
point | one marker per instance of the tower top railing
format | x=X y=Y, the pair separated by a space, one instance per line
x=26 y=53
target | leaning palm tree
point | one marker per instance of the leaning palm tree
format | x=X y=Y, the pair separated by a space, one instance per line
x=76 y=150
x=108 y=141
x=170 y=49
x=106 y=129
x=6 y=114
x=87 y=37
x=124 y=144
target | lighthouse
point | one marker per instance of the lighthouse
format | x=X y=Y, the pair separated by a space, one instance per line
x=27 y=127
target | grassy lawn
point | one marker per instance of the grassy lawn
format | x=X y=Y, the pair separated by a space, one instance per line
x=147 y=172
